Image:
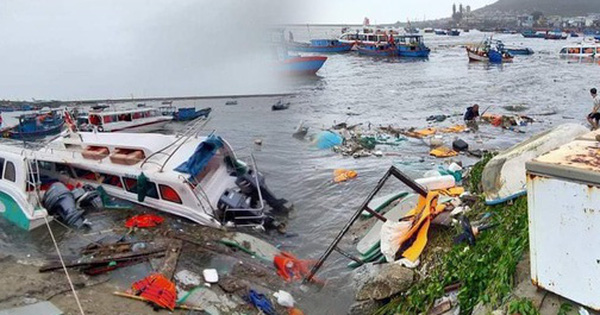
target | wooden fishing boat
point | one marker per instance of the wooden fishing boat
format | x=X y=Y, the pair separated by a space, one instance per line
x=37 y=125
x=303 y=65
x=190 y=113
x=411 y=46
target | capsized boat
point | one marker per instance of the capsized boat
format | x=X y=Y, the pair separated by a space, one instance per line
x=504 y=178
x=411 y=46
x=197 y=178
x=131 y=120
x=377 y=50
x=37 y=125
x=321 y=46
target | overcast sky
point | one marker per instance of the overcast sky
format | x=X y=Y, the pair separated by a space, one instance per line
x=380 y=11
x=81 y=49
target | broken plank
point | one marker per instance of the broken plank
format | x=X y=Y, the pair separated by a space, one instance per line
x=172 y=255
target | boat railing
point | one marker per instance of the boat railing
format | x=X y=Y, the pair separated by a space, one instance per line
x=192 y=129
x=259 y=212
x=197 y=189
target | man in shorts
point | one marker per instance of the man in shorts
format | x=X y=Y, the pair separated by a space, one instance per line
x=594 y=116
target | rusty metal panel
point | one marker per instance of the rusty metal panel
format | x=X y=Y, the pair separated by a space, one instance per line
x=564 y=234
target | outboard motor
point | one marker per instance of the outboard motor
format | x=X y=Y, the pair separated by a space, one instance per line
x=244 y=214
x=87 y=197
x=58 y=200
x=247 y=184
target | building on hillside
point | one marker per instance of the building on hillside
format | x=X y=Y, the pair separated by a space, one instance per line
x=526 y=21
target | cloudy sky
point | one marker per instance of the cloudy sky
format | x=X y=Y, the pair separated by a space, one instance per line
x=379 y=11
x=82 y=49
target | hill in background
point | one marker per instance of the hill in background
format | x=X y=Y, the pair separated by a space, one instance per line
x=548 y=7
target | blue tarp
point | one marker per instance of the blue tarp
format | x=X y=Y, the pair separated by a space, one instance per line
x=202 y=155
x=328 y=139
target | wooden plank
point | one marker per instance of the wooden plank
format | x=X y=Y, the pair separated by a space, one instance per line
x=172 y=255
x=104 y=260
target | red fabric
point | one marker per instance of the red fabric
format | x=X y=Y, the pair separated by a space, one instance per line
x=158 y=290
x=144 y=221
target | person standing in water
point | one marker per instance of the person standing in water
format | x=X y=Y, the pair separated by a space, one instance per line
x=594 y=116
x=471 y=116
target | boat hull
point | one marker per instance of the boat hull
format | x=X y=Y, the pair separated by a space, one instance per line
x=15 y=134
x=199 y=113
x=341 y=48
x=390 y=52
x=421 y=53
x=303 y=65
x=522 y=52
x=473 y=56
x=154 y=125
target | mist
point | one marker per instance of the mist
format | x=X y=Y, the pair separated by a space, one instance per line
x=71 y=49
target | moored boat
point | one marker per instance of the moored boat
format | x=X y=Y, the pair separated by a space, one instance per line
x=366 y=35
x=485 y=54
x=198 y=178
x=519 y=51
x=574 y=34
x=411 y=46
x=303 y=65
x=533 y=34
x=191 y=113
x=441 y=32
x=556 y=35
x=321 y=46
x=377 y=50
x=454 y=32
x=584 y=49
x=132 y=120
x=37 y=125
x=428 y=30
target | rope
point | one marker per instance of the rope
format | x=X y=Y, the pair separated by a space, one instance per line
x=62 y=262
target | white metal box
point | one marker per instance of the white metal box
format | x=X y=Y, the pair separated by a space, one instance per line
x=563 y=194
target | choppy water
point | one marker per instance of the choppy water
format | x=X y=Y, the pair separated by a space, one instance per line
x=378 y=91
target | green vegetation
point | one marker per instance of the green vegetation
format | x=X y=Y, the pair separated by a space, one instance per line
x=485 y=271
x=565 y=309
x=523 y=307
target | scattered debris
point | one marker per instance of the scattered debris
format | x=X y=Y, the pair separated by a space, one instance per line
x=443 y=152
x=284 y=299
x=187 y=278
x=210 y=275
x=144 y=221
x=280 y=105
x=342 y=175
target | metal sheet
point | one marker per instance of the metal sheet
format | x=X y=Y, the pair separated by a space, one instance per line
x=564 y=233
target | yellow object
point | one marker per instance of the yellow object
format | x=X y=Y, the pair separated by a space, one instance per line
x=452 y=192
x=342 y=175
x=442 y=152
x=422 y=133
x=454 y=129
x=422 y=214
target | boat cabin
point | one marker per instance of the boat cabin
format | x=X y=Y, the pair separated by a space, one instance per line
x=581 y=50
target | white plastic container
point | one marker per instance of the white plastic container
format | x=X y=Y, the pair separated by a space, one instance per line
x=438 y=182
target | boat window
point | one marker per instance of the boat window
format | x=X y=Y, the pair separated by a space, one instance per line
x=95 y=120
x=1 y=166
x=9 y=172
x=169 y=194
x=125 y=117
x=563 y=51
x=111 y=180
x=138 y=115
x=107 y=119
x=84 y=174
x=132 y=187
x=588 y=50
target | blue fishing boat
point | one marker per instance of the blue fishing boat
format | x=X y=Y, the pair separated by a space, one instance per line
x=378 y=50
x=441 y=32
x=454 y=33
x=321 y=46
x=38 y=125
x=533 y=34
x=190 y=113
x=597 y=37
x=411 y=46
x=302 y=65
x=574 y=34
